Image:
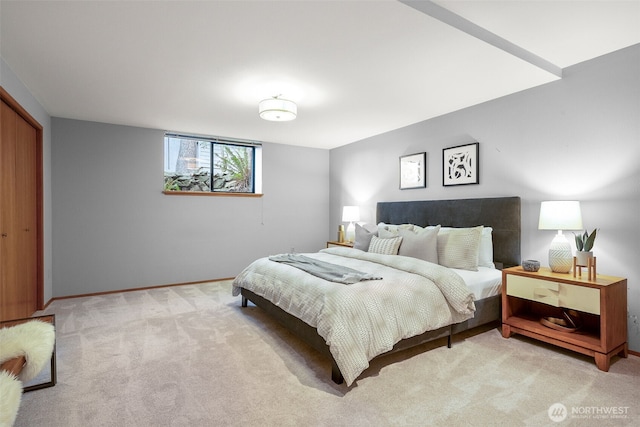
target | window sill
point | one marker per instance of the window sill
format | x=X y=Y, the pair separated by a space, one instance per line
x=209 y=193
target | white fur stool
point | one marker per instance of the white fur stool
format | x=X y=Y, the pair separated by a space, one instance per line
x=25 y=348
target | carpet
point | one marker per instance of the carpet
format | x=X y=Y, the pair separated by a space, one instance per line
x=191 y=356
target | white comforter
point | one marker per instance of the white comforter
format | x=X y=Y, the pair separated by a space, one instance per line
x=365 y=319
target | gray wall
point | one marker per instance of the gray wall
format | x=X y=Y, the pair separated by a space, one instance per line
x=574 y=139
x=12 y=84
x=114 y=229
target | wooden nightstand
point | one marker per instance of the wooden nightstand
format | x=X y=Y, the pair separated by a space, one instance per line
x=601 y=304
x=334 y=243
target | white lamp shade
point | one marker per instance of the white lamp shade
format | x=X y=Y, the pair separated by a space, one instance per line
x=278 y=109
x=560 y=215
x=350 y=213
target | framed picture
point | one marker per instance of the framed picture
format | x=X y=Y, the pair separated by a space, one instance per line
x=460 y=165
x=413 y=171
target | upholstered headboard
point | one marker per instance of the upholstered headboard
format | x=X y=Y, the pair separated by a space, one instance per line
x=500 y=213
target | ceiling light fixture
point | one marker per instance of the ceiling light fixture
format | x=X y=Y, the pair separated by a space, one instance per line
x=276 y=109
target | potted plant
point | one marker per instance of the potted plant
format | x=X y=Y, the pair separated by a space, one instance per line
x=584 y=244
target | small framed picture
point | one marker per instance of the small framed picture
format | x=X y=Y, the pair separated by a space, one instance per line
x=413 y=171
x=460 y=165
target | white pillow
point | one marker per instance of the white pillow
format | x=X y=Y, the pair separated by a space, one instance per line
x=485 y=253
x=459 y=247
x=385 y=246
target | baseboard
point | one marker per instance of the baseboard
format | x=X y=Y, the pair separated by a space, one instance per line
x=635 y=353
x=134 y=289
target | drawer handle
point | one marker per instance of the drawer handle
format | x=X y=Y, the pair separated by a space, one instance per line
x=544 y=292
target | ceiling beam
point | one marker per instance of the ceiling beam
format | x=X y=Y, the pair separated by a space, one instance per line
x=446 y=16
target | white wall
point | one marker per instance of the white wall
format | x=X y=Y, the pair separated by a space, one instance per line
x=12 y=84
x=573 y=139
x=114 y=229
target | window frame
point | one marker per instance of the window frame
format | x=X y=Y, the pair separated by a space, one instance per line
x=256 y=164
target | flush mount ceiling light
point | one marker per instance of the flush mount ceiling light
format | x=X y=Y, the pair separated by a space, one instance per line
x=277 y=109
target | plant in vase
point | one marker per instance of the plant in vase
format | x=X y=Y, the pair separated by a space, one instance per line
x=584 y=244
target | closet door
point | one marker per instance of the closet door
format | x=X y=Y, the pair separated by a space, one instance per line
x=10 y=295
x=26 y=218
x=19 y=218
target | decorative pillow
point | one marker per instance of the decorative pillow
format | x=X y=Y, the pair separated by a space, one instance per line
x=420 y=243
x=485 y=250
x=385 y=246
x=363 y=238
x=417 y=242
x=393 y=228
x=459 y=247
x=387 y=233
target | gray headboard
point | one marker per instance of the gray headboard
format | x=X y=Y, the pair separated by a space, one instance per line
x=500 y=213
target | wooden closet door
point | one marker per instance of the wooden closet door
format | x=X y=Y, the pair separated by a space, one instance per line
x=26 y=218
x=19 y=226
x=10 y=295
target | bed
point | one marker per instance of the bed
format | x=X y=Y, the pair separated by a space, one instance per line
x=437 y=288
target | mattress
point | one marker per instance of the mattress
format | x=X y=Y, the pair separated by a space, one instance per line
x=484 y=283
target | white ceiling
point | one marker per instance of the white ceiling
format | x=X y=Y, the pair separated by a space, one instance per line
x=355 y=68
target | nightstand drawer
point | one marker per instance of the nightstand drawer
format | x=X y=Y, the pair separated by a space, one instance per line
x=553 y=293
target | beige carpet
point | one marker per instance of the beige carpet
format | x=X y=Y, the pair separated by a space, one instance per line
x=191 y=356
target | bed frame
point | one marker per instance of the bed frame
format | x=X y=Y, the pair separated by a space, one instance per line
x=502 y=214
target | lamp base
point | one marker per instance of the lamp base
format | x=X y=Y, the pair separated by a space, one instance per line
x=560 y=255
x=351 y=232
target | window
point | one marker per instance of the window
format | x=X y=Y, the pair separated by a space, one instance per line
x=211 y=165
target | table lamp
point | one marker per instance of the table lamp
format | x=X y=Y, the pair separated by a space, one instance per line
x=560 y=215
x=351 y=214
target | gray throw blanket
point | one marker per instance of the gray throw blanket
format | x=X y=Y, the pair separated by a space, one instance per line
x=324 y=270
